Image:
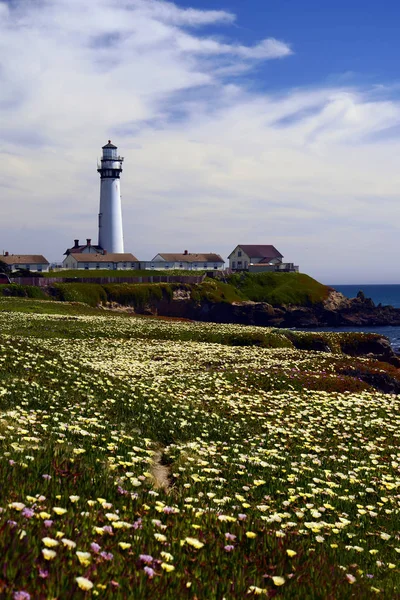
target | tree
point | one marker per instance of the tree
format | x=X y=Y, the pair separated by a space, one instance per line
x=4 y=268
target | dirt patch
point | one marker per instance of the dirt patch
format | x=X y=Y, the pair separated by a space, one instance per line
x=161 y=472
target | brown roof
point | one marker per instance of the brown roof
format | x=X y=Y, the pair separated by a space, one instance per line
x=104 y=258
x=260 y=251
x=191 y=258
x=16 y=259
x=80 y=249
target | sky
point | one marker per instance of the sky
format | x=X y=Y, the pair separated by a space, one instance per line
x=241 y=122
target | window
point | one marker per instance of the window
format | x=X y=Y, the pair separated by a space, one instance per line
x=97 y=266
x=205 y=265
x=215 y=266
x=40 y=269
x=124 y=266
x=239 y=253
x=181 y=265
x=233 y=264
x=132 y=265
x=86 y=266
x=239 y=263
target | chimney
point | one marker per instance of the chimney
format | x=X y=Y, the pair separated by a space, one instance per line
x=76 y=243
x=186 y=253
x=104 y=252
x=88 y=242
x=5 y=253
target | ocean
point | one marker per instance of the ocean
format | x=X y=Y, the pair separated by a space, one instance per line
x=386 y=295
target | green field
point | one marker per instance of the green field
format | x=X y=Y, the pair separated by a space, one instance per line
x=156 y=459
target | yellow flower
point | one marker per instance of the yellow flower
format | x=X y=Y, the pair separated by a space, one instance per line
x=83 y=583
x=84 y=558
x=49 y=542
x=49 y=554
x=256 y=591
x=167 y=556
x=278 y=580
x=291 y=553
x=160 y=537
x=193 y=542
x=74 y=498
x=17 y=505
x=44 y=515
x=124 y=545
x=59 y=511
x=68 y=543
x=251 y=534
x=167 y=567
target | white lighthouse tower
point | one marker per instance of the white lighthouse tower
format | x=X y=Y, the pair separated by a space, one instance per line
x=110 y=215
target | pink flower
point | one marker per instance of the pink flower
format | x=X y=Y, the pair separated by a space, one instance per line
x=149 y=571
x=229 y=548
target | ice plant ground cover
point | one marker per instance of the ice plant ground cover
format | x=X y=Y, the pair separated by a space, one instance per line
x=141 y=458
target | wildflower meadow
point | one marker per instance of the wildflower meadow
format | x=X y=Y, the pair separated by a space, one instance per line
x=147 y=458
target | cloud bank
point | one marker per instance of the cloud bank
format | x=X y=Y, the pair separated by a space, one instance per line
x=210 y=160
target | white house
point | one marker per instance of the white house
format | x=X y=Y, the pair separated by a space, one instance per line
x=101 y=261
x=31 y=262
x=87 y=248
x=186 y=261
x=245 y=255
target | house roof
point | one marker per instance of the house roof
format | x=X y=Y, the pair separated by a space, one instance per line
x=104 y=258
x=191 y=258
x=16 y=259
x=80 y=249
x=260 y=251
x=109 y=145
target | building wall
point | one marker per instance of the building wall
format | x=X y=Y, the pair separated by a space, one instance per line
x=37 y=268
x=158 y=265
x=239 y=260
x=71 y=263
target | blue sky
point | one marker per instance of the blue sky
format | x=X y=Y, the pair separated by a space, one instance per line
x=241 y=121
x=355 y=39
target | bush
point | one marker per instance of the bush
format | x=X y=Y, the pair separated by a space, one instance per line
x=22 y=291
x=139 y=295
x=92 y=294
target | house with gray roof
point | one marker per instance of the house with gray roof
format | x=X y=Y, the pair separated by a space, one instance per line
x=30 y=262
x=189 y=261
x=105 y=260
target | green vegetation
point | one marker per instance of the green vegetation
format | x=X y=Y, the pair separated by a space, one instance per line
x=274 y=288
x=142 y=459
x=280 y=288
x=94 y=273
x=22 y=291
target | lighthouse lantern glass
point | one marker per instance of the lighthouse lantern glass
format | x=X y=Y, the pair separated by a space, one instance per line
x=110 y=153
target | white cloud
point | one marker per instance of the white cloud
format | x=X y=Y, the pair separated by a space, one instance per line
x=209 y=163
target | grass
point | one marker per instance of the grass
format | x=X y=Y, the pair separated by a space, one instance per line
x=280 y=472
x=280 y=288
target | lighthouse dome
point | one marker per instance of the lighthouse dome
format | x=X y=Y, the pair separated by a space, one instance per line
x=109 y=151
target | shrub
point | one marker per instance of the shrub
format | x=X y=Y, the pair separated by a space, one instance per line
x=92 y=294
x=22 y=291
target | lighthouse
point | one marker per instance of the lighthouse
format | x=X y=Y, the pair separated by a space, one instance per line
x=110 y=215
